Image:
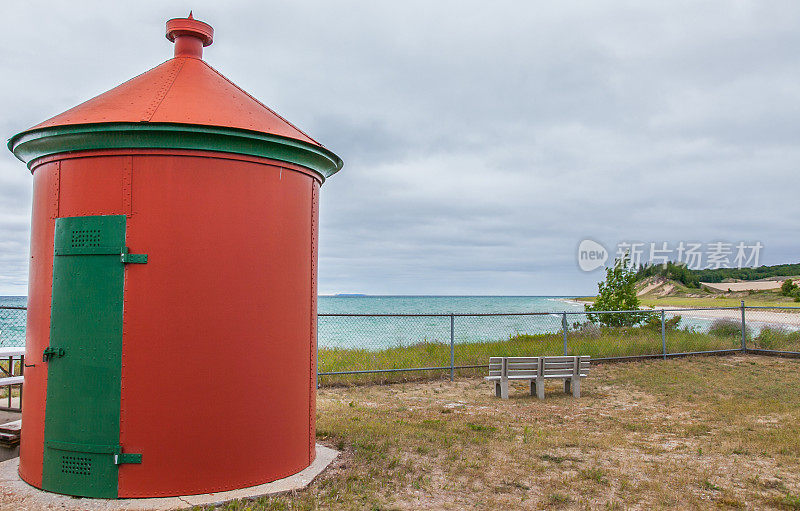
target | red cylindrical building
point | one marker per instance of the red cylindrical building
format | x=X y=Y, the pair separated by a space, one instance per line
x=172 y=288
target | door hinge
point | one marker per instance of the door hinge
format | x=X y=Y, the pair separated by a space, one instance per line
x=128 y=258
x=52 y=352
x=127 y=457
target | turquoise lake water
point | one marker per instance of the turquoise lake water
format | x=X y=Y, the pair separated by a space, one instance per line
x=442 y=304
x=377 y=333
x=374 y=333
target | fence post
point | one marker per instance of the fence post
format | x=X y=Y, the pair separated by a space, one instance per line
x=744 y=330
x=663 y=336
x=564 y=328
x=452 y=347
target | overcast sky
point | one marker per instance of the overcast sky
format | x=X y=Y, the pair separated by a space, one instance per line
x=482 y=141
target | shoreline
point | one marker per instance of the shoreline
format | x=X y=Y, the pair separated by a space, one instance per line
x=764 y=316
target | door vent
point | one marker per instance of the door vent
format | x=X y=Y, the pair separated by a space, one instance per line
x=76 y=465
x=85 y=238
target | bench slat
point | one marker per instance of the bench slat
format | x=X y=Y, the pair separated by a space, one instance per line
x=534 y=371
x=517 y=367
x=558 y=374
x=569 y=366
x=564 y=359
x=514 y=360
x=547 y=364
x=515 y=373
x=12 y=380
x=532 y=378
x=566 y=371
x=563 y=366
x=510 y=378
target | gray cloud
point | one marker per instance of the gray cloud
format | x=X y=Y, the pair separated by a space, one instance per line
x=481 y=141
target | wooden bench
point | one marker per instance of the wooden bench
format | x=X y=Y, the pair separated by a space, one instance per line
x=536 y=370
x=15 y=357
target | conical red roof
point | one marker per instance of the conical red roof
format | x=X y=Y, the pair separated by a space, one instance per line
x=181 y=90
x=181 y=104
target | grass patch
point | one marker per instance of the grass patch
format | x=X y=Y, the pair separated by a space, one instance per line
x=558 y=499
x=697 y=430
x=788 y=501
x=777 y=338
x=594 y=474
x=481 y=427
x=587 y=339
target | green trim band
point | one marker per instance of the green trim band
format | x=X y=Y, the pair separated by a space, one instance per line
x=29 y=146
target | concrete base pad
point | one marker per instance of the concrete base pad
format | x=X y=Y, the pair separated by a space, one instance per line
x=19 y=495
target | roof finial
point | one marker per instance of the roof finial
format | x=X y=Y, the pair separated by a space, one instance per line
x=189 y=35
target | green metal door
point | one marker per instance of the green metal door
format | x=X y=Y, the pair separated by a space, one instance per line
x=81 y=448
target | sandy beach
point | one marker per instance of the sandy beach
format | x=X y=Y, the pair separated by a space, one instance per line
x=767 y=316
x=771 y=316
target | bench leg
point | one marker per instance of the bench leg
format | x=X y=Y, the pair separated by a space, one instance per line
x=540 y=388
x=501 y=389
x=504 y=389
x=533 y=387
x=576 y=388
x=567 y=385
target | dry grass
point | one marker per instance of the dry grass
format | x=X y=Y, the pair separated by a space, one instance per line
x=587 y=339
x=697 y=433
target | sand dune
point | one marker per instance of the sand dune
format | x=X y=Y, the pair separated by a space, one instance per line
x=756 y=285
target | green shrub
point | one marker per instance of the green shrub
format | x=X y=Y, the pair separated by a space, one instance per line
x=616 y=293
x=727 y=328
x=775 y=338
x=673 y=271
x=653 y=322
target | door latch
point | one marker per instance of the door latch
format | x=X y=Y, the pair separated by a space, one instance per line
x=50 y=352
x=128 y=258
x=127 y=457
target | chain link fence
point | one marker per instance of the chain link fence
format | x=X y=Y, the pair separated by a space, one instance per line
x=360 y=348
x=12 y=326
x=773 y=330
x=380 y=347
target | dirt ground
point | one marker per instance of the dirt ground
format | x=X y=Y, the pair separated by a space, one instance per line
x=695 y=433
